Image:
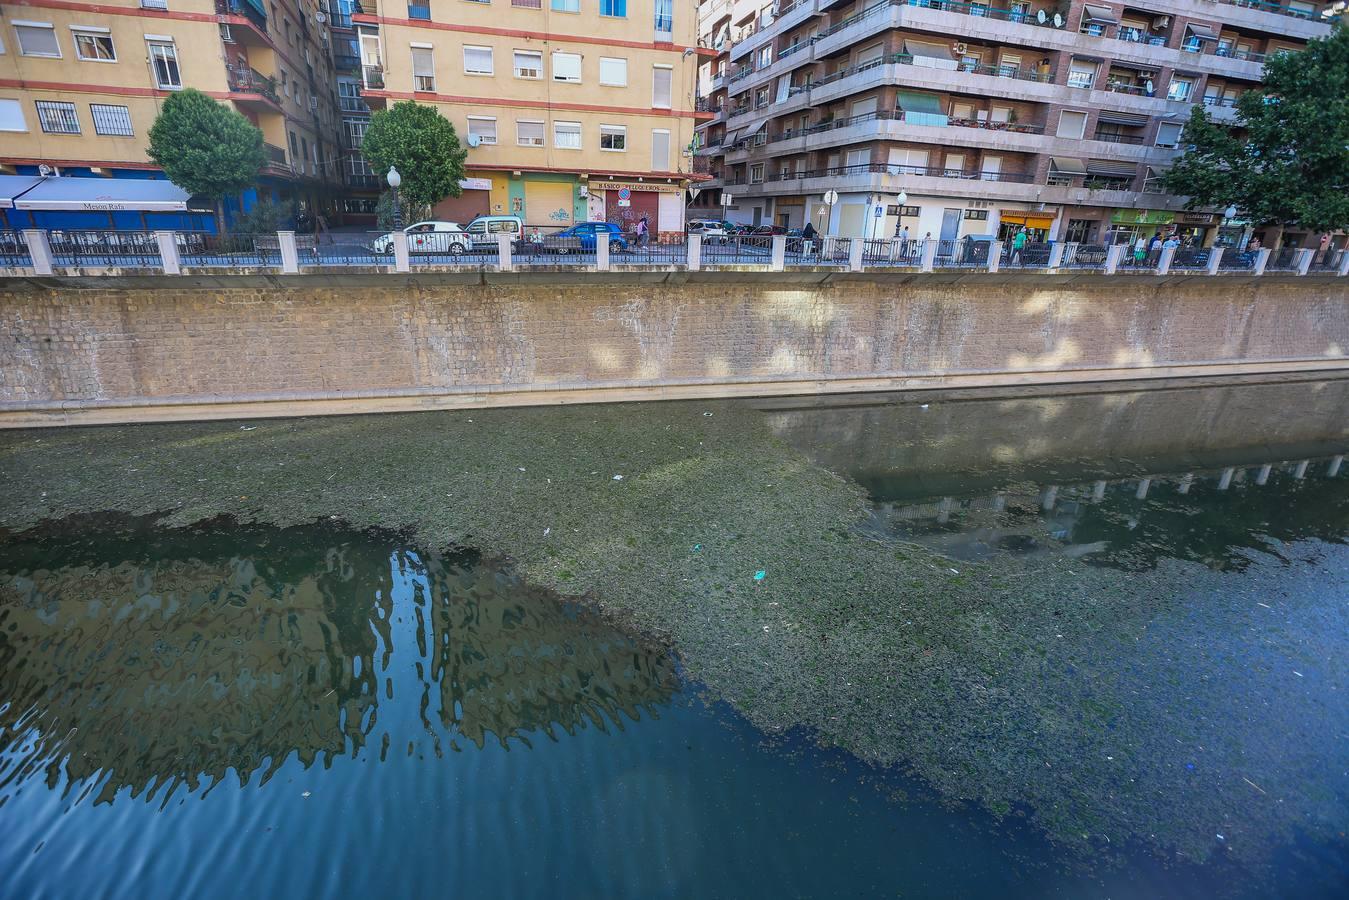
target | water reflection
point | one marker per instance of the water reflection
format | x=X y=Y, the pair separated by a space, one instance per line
x=141 y=660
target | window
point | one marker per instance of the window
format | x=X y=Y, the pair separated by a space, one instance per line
x=529 y=133
x=477 y=60
x=756 y=173
x=660 y=150
x=1180 y=89
x=1081 y=74
x=765 y=57
x=58 y=118
x=572 y=6
x=613 y=71
x=36 y=39
x=664 y=19
x=113 y=120
x=94 y=44
x=566 y=67
x=164 y=59
x=616 y=8
x=1000 y=115
x=484 y=128
x=613 y=137
x=423 y=69
x=1072 y=124
x=1168 y=135
x=355 y=131
x=528 y=64
x=567 y=135
x=11 y=116
x=421 y=9
x=662 y=77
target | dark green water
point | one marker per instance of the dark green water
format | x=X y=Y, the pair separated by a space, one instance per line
x=236 y=707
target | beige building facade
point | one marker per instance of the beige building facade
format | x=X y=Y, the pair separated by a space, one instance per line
x=572 y=111
x=949 y=119
x=81 y=84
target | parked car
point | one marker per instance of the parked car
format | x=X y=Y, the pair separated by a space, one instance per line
x=483 y=230
x=583 y=238
x=766 y=229
x=714 y=232
x=428 y=237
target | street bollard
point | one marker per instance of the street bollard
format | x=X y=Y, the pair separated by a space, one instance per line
x=1215 y=259
x=39 y=250
x=1261 y=260
x=400 y=251
x=504 y=261
x=290 y=256
x=695 y=251
x=778 y=261
x=1164 y=261
x=168 y=251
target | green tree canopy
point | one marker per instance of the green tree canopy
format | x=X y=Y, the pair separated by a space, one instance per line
x=1287 y=161
x=205 y=147
x=422 y=145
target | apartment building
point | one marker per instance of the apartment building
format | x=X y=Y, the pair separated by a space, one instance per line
x=81 y=84
x=956 y=118
x=571 y=110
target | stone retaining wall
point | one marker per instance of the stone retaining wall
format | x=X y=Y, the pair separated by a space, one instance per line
x=136 y=350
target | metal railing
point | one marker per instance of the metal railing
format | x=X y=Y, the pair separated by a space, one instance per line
x=1282 y=260
x=104 y=248
x=670 y=252
x=14 y=249
x=1084 y=256
x=737 y=250
x=1032 y=255
x=1233 y=258
x=1186 y=258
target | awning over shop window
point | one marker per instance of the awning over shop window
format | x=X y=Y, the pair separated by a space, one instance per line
x=1068 y=166
x=104 y=194
x=1100 y=15
x=1203 y=32
x=1021 y=217
x=1121 y=118
x=1111 y=168
x=923 y=103
x=12 y=186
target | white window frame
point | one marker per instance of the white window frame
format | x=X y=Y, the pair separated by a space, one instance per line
x=491 y=61
x=1058 y=128
x=756 y=173
x=1177 y=81
x=614 y=131
x=92 y=31
x=412 y=54
x=74 y=110
x=93 y=117
x=23 y=120
x=481 y=139
x=614 y=59
x=538 y=69
x=543 y=133
x=669 y=148
x=564 y=53
x=156 y=40
x=580 y=141
x=18 y=36
x=1180 y=130
x=659 y=67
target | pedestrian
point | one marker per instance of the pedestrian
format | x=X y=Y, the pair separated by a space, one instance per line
x=643 y=232
x=1323 y=252
x=1019 y=244
x=1171 y=242
x=1140 y=250
x=1254 y=244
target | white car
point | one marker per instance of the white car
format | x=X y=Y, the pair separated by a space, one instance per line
x=429 y=237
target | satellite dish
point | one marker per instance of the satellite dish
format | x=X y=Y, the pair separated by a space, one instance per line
x=1148 y=87
x=474 y=140
x=1040 y=17
x=1058 y=20
x=320 y=17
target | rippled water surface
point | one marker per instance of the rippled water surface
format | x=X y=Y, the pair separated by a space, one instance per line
x=238 y=705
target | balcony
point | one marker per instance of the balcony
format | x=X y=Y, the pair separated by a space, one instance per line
x=373 y=77
x=276 y=160
x=353 y=105
x=346 y=62
x=246 y=80
x=252 y=10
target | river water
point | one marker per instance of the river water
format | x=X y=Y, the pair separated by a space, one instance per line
x=1072 y=645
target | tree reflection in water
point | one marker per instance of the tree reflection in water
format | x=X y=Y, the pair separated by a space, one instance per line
x=142 y=659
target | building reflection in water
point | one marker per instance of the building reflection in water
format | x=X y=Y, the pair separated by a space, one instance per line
x=144 y=659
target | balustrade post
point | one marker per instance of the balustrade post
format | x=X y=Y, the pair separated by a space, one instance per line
x=1261 y=260
x=602 y=253
x=1215 y=259
x=1304 y=261
x=1344 y=261
x=1164 y=261
x=855 y=255
x=1055 y=254
x=168 y=251
x=39 y=250
x=400 y=251
x=695 y=252
x=929 y=260
x=504 y=261
x=778 y=262
x=290 y=255
x=1113 y=254
x=994 y=255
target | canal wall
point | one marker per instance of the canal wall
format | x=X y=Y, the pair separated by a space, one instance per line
x=87 y=350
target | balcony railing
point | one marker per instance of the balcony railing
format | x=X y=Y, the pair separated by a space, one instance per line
x=885 y=115
x=373 y=76
x=346 y=61
x=1110 y=138
x=276 y=157
x=250 y=12
x=892 y=169
x=251 y=81
x=353 y=105
x=1278 y=9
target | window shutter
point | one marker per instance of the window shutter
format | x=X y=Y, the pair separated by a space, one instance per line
x=661 y=80
x=660 y=151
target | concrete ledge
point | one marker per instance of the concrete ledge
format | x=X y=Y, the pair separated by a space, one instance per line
x=278 y=405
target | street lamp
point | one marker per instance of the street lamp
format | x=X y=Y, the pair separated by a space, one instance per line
x=395 y=180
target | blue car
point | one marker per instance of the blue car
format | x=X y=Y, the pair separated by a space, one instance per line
x=583 y=237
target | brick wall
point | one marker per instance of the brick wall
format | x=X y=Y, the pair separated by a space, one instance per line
x=235 y=344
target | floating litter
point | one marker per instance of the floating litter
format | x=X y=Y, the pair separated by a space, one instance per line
x=618 y=478
x=760 y=575
x=697 y=547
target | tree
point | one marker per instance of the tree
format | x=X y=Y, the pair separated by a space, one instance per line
x=1287 y=161
x=422 y=145
x=206 y=148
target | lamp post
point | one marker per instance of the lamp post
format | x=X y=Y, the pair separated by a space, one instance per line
x=395 y=180
x=1228 y=215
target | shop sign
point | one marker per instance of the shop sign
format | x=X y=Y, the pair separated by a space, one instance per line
x=632 y=186
x=1142 y=217
x=475 y=184
x=1198 y=218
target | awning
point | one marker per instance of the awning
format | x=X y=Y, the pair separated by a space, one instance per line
x=1099 y=15
x=1021 y=217
x=1203 y=32
x=730 y=137
x=1068 y=166
x=12 y=186
x=1110 y=167
x=931 y=51
x=923 y=103
x=105 y=194
x=1121 y=118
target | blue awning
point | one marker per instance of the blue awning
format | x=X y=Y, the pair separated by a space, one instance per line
x=12 y=186
x=103 y=195
x=259 y=6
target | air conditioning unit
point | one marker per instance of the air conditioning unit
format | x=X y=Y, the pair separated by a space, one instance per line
x=1161 y=21
x=225 y=34
x=961 y=48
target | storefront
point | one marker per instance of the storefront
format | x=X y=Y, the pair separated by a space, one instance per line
x=1197 y=229
x=790 y=212
x=627 y=202
x=1037 y=224
x=1127 y=225
x=474 y=200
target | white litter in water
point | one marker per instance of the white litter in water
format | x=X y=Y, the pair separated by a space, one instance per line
x=618 y=478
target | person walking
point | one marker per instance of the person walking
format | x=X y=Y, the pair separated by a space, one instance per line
x=643 y=232
x=1140 y=250
x=1019 y=244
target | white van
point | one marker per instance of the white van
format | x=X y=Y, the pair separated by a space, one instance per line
x=484 y=229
